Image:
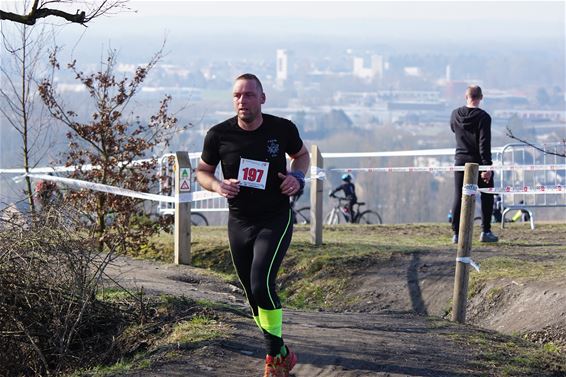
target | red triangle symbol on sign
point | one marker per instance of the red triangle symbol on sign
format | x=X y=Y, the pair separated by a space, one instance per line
x=185 y=185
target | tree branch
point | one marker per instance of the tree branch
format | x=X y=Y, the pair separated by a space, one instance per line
x=34 y=15
x=43 y=9
x=512 y=136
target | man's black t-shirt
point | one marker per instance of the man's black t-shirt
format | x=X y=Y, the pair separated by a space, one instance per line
x=227 y=143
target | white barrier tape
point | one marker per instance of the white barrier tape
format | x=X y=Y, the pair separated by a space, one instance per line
x=468 y=260
x=470 y=189
x=45 y=170
x=183 y=197
x=526 y=168
x=318 y=173
x=413 y=153
x=410 y=169
x=558 y=189
x=198 y=196
x=67 y=169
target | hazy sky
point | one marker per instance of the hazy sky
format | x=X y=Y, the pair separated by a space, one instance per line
x=413 y=18
x=375 y=10
x=236 y=28
x=445 y=21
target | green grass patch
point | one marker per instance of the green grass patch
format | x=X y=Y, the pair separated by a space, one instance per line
x=113 y=294
x=510 y=267
x=121 y=367
x=197 y=329
x=511 y=356
x=312 y=276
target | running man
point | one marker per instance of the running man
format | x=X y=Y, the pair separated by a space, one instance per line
x=252 y=148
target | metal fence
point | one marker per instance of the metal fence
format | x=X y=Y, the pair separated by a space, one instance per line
x=511 y=154
x=532 y=155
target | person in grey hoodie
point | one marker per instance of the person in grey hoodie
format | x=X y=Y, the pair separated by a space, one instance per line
x=472 y=128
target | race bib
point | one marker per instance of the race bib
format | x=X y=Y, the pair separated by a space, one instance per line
x=253 y=173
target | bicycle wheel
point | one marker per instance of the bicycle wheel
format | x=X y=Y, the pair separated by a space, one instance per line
x=369 y=217
x=332 y=218
x=198 y=219
x=303 y=215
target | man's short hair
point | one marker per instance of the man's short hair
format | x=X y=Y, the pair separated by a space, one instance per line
x=251 y=76
x=474 y=92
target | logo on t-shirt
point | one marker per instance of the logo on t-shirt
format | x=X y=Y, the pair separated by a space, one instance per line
x=272 y=147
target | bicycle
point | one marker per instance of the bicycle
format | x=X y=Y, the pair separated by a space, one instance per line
x=197 y=219
x=340 y=213
x=301 y=215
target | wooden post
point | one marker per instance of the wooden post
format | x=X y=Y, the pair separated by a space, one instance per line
x=183 y=175
x=465 y=235
x=317 y=187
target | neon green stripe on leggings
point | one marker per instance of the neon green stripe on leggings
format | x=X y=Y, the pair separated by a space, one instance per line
x=271 y=321
x=273 y=259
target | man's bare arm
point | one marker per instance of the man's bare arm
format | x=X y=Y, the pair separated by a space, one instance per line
x=228 y=188
x=300 y=162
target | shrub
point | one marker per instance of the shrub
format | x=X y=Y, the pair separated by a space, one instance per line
x=50 y=319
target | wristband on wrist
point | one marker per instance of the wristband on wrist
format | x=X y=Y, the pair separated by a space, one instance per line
x=300 y=176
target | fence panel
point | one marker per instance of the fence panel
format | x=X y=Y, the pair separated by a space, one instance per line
x=536 y=179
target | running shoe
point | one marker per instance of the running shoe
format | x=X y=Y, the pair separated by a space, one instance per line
x=290 y=360
x=488 y=237
x=455 y=238
x=275 y=367
x=279 y=366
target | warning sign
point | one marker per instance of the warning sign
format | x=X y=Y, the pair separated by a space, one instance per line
x=185 y=180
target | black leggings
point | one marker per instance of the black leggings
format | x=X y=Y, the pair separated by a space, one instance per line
x=486 y=202
x=257 y=249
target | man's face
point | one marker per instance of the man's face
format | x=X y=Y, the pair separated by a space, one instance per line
x=248 y=99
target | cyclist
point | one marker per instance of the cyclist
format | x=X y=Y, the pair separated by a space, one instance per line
x=349 y=190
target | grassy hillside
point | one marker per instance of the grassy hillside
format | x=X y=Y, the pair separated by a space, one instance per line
x=320 y=277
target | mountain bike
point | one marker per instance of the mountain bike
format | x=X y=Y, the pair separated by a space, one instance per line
x=301 y=215
x=198 y=219
x=340 y=213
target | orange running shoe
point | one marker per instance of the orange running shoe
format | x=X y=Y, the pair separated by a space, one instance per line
x=290 y=360
x=275 y=367
x=279 y=366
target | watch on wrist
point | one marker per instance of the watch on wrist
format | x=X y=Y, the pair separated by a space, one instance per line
x=300 y=176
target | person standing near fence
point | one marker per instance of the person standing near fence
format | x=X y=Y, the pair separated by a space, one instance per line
x=252 y=149
x=472 y=129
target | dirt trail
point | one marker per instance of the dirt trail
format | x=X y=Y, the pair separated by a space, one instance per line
x=332 y=344
x=328 y=344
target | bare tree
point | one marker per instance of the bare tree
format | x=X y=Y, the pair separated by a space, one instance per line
x=63 y=9
x=110 y=141
x=24 y=57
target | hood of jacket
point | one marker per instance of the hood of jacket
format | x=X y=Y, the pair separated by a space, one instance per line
x=468 y=117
